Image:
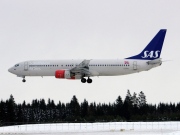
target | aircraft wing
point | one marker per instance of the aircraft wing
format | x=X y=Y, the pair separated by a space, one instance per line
x=83 y=69
x=84 y=64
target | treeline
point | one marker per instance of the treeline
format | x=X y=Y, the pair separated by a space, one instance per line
x=132 y=108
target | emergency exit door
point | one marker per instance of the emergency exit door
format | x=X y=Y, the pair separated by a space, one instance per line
x=25 y=66
x=135 y=65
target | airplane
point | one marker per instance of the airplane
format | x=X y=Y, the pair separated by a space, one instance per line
x=81 y=69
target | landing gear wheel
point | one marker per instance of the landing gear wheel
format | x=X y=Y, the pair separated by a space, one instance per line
x=89 y=80
x=23 y=80
x=83 y=80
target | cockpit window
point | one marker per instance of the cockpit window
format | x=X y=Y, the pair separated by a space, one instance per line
x=16 y=65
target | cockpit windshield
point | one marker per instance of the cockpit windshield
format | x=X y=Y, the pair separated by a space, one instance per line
x=16 y=65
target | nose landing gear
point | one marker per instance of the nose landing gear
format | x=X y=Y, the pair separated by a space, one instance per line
x=24 y=80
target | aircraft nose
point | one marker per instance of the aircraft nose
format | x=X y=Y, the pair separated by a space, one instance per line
x=10 y=70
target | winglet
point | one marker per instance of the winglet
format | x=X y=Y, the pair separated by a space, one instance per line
x=153 y=49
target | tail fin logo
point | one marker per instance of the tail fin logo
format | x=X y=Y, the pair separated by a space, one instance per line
x=153 y=49
x=151 y=54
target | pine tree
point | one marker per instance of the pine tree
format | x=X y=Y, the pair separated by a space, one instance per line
x=135 y=100
x=127 y=106
x=118 y=105
x=75 y=107
x=43 y=109
x=178 y=107
x=2 y=112
x=11 y=114
x=92 y=112
x=51 y=110
x=128 y=97
x=142 y=99
x=63 y=111
x=59 y=111
x=99 y=110
x=19 y=111
x=111 y=109
x=143 y=107
x=84 y=108
x=35 y=110
x=135 y=103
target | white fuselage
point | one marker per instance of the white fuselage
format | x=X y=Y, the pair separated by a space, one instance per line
x=96 y=67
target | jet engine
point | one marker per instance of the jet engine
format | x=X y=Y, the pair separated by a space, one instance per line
x=63 y=74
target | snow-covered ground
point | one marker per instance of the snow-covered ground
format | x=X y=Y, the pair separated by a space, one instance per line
x=123 y=128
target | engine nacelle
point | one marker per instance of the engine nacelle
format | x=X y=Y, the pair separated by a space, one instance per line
x=63 y=74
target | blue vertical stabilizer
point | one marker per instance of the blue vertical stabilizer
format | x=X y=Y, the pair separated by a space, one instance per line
x=153 y=49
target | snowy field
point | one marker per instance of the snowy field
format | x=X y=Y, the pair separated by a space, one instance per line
x=115 y=128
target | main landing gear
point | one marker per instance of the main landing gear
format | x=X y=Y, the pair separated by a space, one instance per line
x=89 y=80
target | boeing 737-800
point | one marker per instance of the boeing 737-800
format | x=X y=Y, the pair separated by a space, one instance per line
x=82 y=69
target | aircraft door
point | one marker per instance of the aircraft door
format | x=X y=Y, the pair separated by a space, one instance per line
x=135 y=65
x=25 y=66
x=73 y=65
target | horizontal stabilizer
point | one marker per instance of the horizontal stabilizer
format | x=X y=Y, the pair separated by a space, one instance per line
x=156 y=61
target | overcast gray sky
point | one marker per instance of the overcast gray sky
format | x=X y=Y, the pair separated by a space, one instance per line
x=88 y=29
